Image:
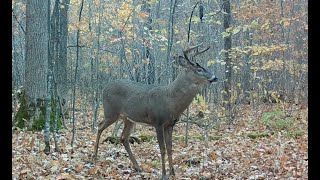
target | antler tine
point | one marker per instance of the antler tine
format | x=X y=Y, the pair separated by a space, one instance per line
x=201 y=51
x=185 y=53
x=193 y=47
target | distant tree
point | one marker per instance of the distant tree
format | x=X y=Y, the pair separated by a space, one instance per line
x=227 y=47
x=58 y=49
x=61 y=62
x=147 y=51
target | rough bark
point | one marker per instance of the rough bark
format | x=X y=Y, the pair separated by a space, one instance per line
x=37 y=39
x=151 y=65
x=61 y=63
x=227 y=47
x=31 y=111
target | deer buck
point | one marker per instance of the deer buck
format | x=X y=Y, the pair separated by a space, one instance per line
x=158 y=106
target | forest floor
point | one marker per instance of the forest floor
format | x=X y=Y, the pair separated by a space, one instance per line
x=253 y=146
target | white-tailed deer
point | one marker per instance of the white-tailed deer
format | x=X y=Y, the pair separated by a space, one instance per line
x=158 y=106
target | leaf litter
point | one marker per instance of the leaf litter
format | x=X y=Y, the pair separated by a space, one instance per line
x=232 y=156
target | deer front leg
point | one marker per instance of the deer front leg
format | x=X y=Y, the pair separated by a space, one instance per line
x=125 y=141
x=160 y=135
x=102 y=126
x=168 y=139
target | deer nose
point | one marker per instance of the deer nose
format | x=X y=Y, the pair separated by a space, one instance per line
x=213 y=79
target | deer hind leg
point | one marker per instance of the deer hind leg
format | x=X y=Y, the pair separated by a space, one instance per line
x=168 y=140
x=128 y=125
x=102 y=126
x=160 y=137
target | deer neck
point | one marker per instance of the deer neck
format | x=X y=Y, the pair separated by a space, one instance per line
x=182 y=91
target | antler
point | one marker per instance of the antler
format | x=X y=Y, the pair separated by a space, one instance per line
x=186 y=52
x=197 y=53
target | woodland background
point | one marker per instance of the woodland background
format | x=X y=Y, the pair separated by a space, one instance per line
x=252 y=124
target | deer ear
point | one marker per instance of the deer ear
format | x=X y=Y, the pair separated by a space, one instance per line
x=183 y=62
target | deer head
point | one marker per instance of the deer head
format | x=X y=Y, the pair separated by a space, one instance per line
x=197 y=73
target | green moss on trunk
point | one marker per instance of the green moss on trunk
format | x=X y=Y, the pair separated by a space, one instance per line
x=22 y=115
x=32 y=115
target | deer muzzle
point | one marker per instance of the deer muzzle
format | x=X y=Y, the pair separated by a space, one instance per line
x=213 y=79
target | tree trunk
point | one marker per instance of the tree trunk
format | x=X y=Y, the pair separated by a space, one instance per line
x=170 y=39
x=147 y=51
x=246 y=73
x=58 y=40
x=61 y=62
x=227 y=47
x=48 y=113
x=96 y=87
x=75 y=77
x=37 y=38
x=48 y=98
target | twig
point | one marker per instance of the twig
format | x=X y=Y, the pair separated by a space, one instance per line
x=190 y=20
x=85 y=46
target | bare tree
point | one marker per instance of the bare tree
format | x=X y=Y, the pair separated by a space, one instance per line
x=75 y=77
x=227 y=47
x=61 y=62
x=36 y=49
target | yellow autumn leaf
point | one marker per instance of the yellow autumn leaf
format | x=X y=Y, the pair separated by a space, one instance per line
x=213 y=155
x=201 y=100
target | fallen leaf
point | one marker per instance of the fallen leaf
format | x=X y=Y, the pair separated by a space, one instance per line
x=213 y=155
x=65 y=176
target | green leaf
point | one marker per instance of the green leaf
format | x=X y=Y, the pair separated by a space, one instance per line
x=218 y=22
x=254 y=23
x=245 y=28
x=195 y=19
x=225 y=34
x=211 y=62
x=229 y=29
x=201 y=100
x=138 y=8
x=235 y=30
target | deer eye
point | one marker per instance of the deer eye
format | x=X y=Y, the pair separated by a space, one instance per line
x=199 y=70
